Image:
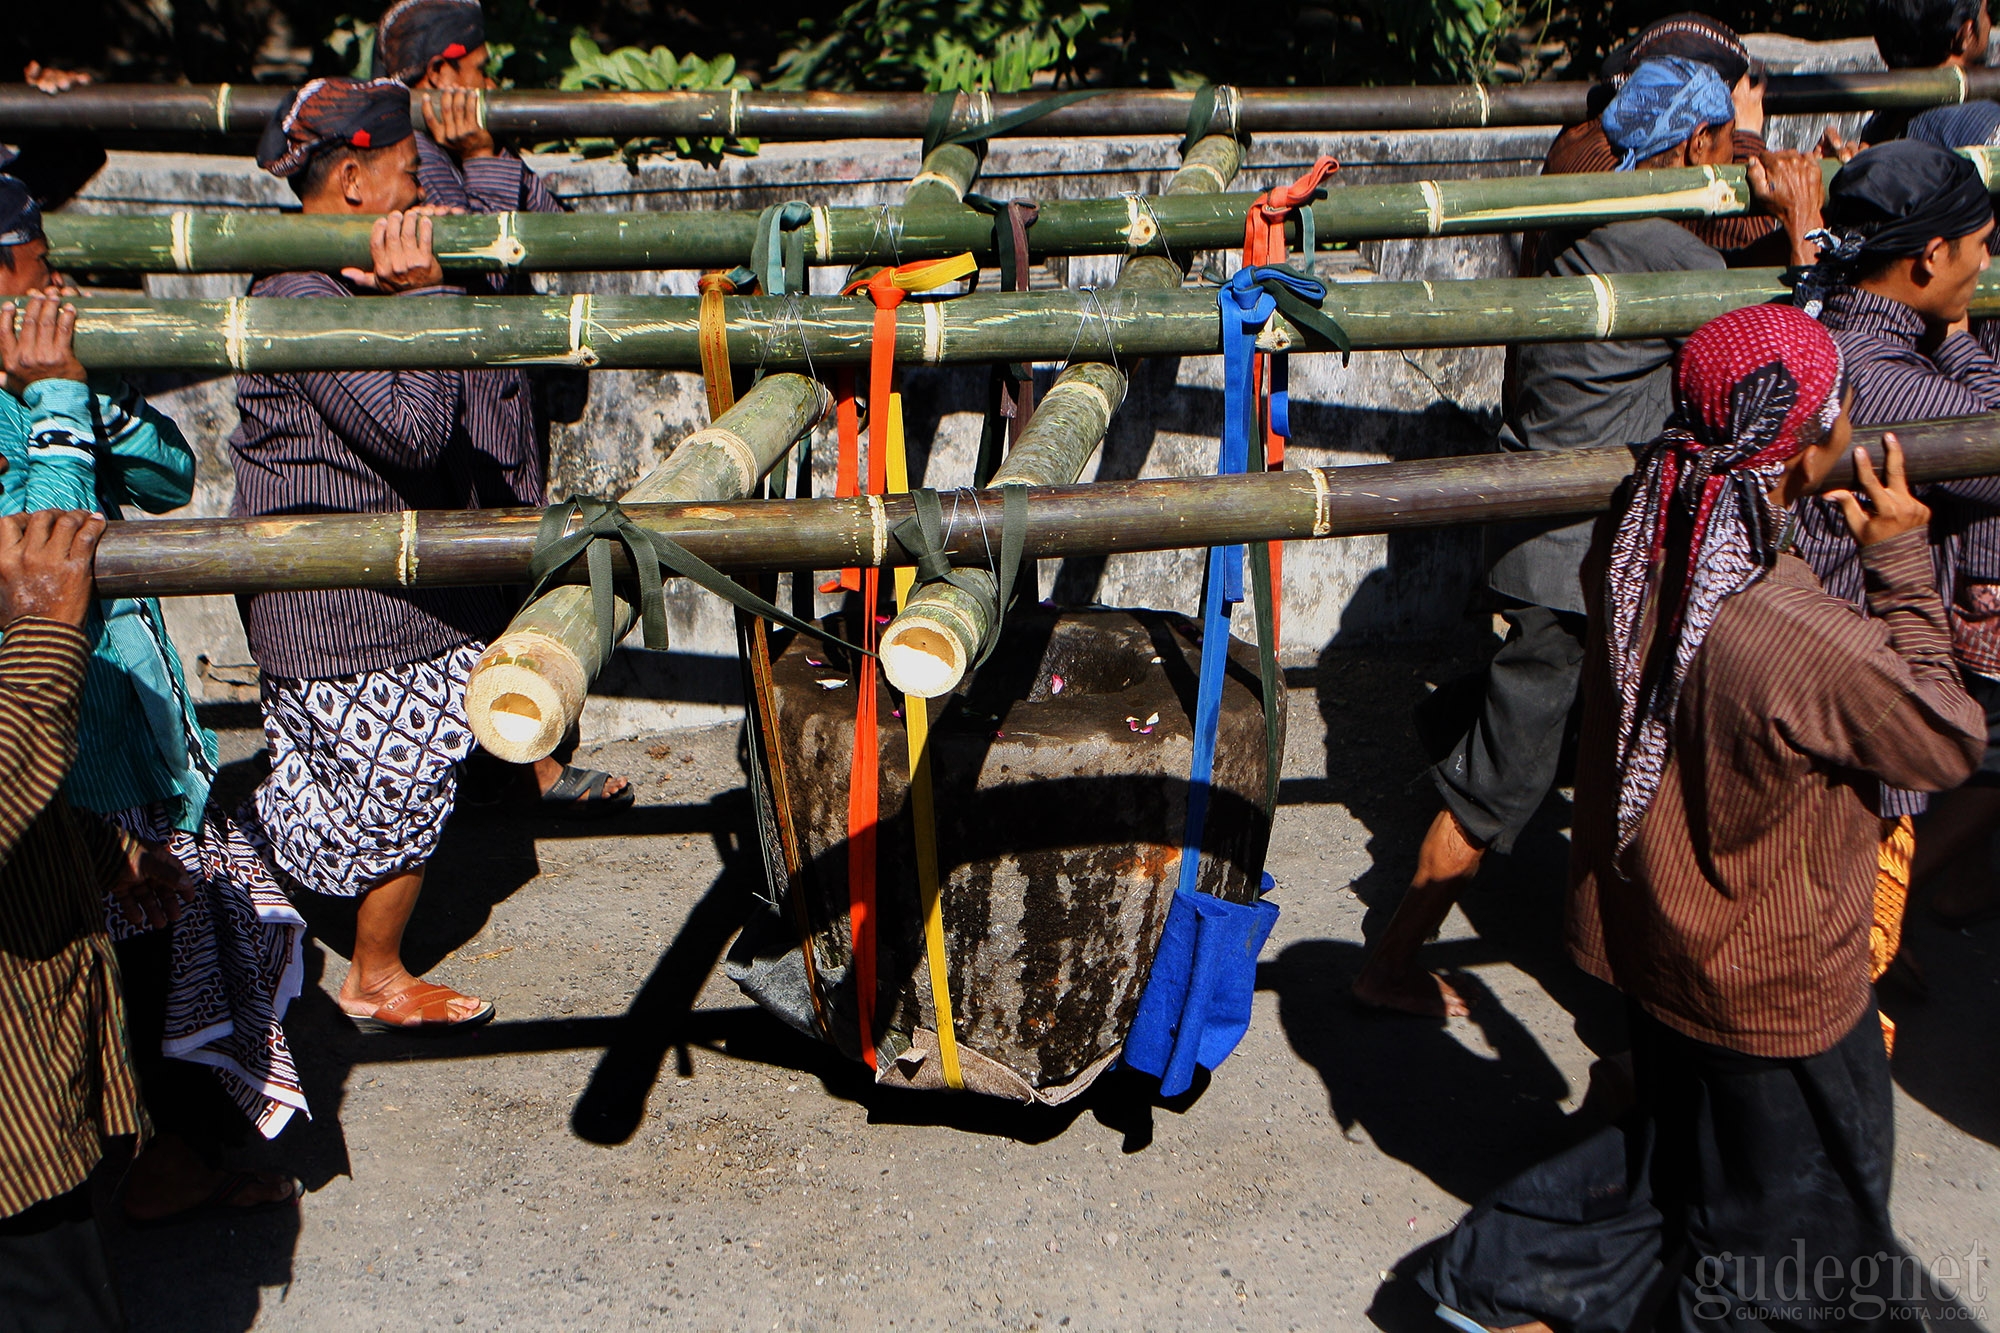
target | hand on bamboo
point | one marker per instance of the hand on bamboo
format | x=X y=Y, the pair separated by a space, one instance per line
x=1832 y=145
x=45 y=563
x=44 y=347
x=1891 y=510
x=1787 y=186
x=53 y=80
x=454 y=121
x=400 y=249
x=1748 y=95
x=152 y=884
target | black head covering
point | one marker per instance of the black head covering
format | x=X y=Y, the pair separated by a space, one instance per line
x=333 y=113
x=1690 y=36
x=20 y=215
x=416 y=32
x=1895 y=198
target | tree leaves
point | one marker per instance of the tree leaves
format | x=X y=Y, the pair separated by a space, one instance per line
x=636 y=69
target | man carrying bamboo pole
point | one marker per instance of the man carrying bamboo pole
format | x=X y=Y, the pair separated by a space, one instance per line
x=1924 y=34
x=1671 y=112
x=1722 y=876
x=1913 y=223
x=363 y=692
x=1583 y=147
x=438 y=48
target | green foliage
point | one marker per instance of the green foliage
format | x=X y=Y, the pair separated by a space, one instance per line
x=348 y=49
x=934 y=45
x=524 y=47
x=658 y=70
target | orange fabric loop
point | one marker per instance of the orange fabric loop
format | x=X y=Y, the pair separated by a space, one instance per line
x=712 y=336
x=1264 y=226
x=1264 y=243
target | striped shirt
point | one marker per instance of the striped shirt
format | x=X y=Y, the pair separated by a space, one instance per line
x=66 y=1078
x=1739 y=915
x=508 y=454
x=354 y=442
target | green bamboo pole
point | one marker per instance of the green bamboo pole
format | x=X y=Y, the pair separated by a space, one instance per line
x=196 y=557
x=240 y=109
x=359 y=333
x=944 y=628
x=527 y=689
x=1174 y=223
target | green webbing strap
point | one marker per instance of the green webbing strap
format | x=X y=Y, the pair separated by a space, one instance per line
x=778 y=255
x=923 y=537
x=1306 y=315
x=935 y=137
x=1201 y=114
x=1267 y=668
x=1201 y=119
x=601 y=523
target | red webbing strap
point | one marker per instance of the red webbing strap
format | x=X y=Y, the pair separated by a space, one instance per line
x=1264 y=243
x=712 y=334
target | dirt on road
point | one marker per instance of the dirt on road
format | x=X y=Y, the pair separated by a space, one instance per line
x=632 y=1145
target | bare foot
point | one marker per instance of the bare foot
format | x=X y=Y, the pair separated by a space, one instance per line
x=169 y=1178
x=358 y=1001
x=1423 y=994
x=549 y=771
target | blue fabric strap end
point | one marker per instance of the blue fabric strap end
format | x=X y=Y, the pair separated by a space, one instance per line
x=1196 y=1005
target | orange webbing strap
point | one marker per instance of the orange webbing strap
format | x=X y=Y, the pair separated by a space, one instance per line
x=1264 y=243
x=886 y=288
x=847 y=463
x=923 y=813
x=712 y=331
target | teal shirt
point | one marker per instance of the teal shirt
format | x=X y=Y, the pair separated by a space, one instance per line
x=72 y=446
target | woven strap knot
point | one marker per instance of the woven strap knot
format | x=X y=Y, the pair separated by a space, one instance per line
x=922 y=535
x=599 y=524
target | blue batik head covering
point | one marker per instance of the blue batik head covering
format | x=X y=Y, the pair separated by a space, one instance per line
x=1968 y=125
x=1662 y=104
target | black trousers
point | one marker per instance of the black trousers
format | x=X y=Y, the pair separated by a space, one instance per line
x=1743 y=1194
x=53 y=1274
x=1505 y=761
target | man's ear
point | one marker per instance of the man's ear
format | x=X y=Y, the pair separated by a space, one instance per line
x=1967 y=38
x=1925 y=265
x=349 y=171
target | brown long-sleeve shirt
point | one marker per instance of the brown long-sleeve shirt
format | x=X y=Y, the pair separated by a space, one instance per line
x=65 y=1072
x=1739 y=914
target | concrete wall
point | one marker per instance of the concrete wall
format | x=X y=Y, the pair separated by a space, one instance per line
x=1385 y=405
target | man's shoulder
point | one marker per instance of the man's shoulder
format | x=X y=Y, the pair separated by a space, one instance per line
x=1643 y=245
x=1785 y=617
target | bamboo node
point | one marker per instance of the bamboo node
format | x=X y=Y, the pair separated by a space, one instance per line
x=235 y=323
x=933 y=332
x=732 y=444
x=878 y=520
x=957 y=190
x=1140 y=228
x=505 y=248
x=1221 y=183
x=222 y=108
x=1486 y=103
x=822 y=234
x=580 y=353
x=406 y=550
x=1082 y=386
x=735 y=110
x=1322 y=501
x=1607 y=303
x=1959 y=70
x=1433 y=206
x=177 y=228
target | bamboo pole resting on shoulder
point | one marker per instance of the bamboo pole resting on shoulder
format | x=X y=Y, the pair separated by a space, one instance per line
x=527 y=690
x=927 y=649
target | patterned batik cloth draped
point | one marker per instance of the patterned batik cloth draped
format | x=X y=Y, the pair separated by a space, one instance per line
x=1751 y=390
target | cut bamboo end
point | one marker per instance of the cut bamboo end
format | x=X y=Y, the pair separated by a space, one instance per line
x=522 y=695
x=928 y=648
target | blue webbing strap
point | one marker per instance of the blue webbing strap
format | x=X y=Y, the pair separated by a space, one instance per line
x=1245 y=307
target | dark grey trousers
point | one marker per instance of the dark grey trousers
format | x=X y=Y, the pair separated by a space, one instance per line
x=1501 y=769
x=54 y=1277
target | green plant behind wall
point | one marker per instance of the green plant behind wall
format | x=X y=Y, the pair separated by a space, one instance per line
x=659 y=70
x=977 y=45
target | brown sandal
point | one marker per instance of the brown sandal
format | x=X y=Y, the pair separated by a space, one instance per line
x=424 y=1007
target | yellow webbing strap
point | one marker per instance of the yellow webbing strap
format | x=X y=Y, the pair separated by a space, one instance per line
x=923 y=817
